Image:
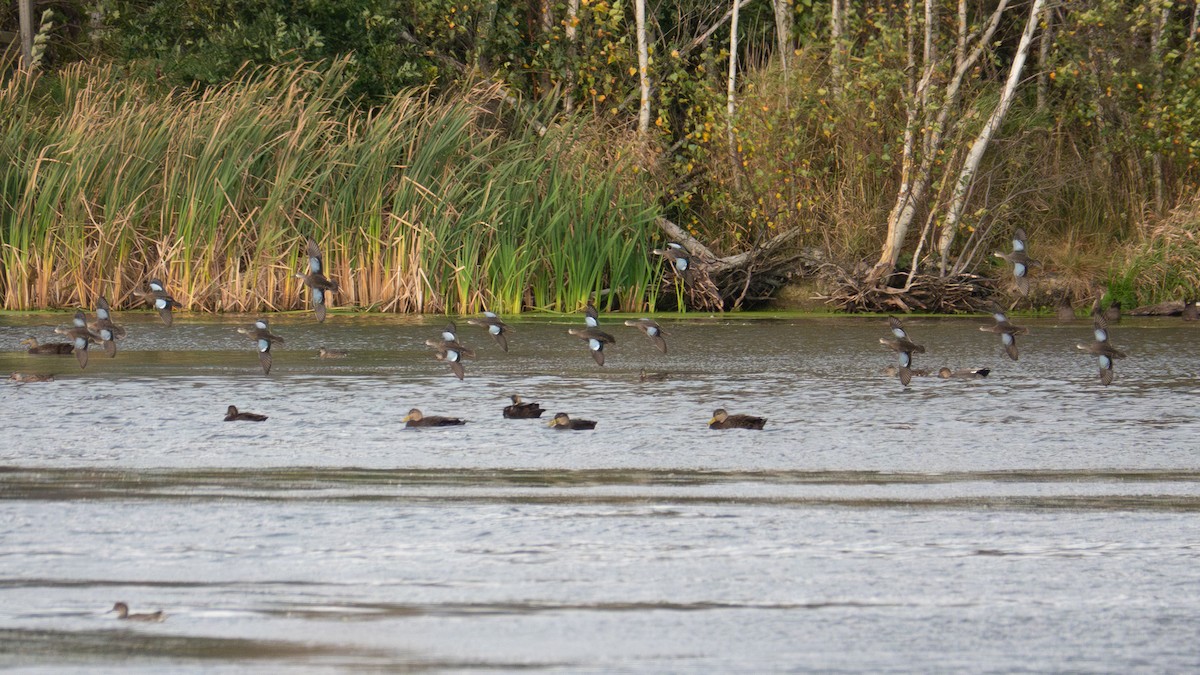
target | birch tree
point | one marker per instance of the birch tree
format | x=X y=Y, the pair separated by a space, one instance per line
x=731 y=89
x=971 y=164
x=643 y=55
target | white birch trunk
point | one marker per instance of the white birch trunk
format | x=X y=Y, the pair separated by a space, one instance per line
x=572 y=34
x=971 y=164
x=836 y=27
x=1156 y=52
x=643 y=69
x=783 y=32
x=731 y=90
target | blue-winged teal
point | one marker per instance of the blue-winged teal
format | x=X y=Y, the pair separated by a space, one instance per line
x=678 y=258
x=450 y=351
x=1104 y=352
x=495 y=327
x=902 y=346
x=520 y=410
x=652 y=330
x=1007 y=332
x=122 y=611
x=595 y=337
x=415 y=418
x=161 y=300
x=232 y=415
x=563 y=422
x=80 y=336
x=723 y=420
x=1020 y=260
x=316 y=280
x=263 y=338
x=893 y=371
x=108 y=331
x=966 y=373
x=49 y=349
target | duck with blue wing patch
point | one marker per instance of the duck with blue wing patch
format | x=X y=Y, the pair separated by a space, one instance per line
x=904 y=347
x=1007 y=332
x=1020 y=260
x=652 y=330
x=1104 y=352
x=81 y=336
x=315 y=279
x=495 y=327
x=595 y=337
x=103 y=326
x=161 y=300
x=263 y=338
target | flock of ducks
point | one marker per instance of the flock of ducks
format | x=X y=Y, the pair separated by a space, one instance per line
x=447 y=347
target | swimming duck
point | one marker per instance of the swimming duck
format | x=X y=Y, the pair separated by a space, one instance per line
x=161 y=300
x=1007 y=332
x=80 y=337
x=596 y=338
x=643 y=376
x=232 y=415
x=324 y=353
x=652 y=330
x=723 y=420
x=122 y=611
x=261 y=333
x=31 y=377
x=51 y=348
x=519 y=410
x=902 y=346
x=1020 y=260
x=108 y=331
x=1063 y=310
x=414 y=418
x=495 y=327
x=968 y=373
x=563 y=422
x=1105 y=352
x=1190 y=311
x=678 y=257
x=316 y=280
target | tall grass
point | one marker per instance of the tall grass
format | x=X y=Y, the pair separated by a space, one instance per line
x=422 y=205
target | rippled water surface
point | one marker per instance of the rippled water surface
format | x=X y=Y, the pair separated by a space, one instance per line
x=1031 y=520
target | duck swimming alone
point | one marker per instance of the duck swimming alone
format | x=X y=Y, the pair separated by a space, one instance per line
x=1006 y=331
x=233 y=415
x=1104 y=352
x=122 y=611
x=563 y=422
x=324 y=353
x=162 y=301
x=415 y=418
x=495 y=327
x=31 y=377
x=723 y=420
x=520 y=410
x=261 y=333
x=80 y=336
x=1020 y=260
x=967 y=373
x=902 y=346
x=652 y=330
x=316 y=280
x=48 y=349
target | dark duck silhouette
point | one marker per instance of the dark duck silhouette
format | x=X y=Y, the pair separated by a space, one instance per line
x=81 y=336
x=652 y=330
x=123 y=614
x=520 y=410
x=563 y=422
x=1104 y=351
x=161 y=300
x=233 y=415
x=1190 y=311
x=263 y=338
x=902 y=346
x=316 y=280
x=1020 y=260
x=415 y=418
x=723 y=420
x=1007 y=332
x=964 y=373
x=495 y=327
x=48 y=349
x=595 y=337
x=1063 y=310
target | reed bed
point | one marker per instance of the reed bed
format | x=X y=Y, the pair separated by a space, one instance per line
x=422 y=205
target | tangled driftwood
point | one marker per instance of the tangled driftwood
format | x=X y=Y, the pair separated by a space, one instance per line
x=925 y=292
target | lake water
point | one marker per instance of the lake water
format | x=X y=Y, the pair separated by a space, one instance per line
x=1033 y=520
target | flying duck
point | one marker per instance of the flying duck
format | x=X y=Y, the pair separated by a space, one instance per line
x=495 y=327
x=80 y=336
x=261 y=333
x=1007 y=332
x=902 y=346
x=161 y=300
x=1105 y=352
x=1020 y=260
x=652 y=330
x=316 y=280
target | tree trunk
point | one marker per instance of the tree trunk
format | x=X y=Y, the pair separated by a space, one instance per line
x=1043 y=69
x=643 y=69
x=25 y=9
x=975 y=155
x=731 y=90
x=1156 y=53
x=783 y=32
x=837 y=26
x=572 y=34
